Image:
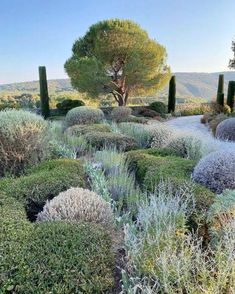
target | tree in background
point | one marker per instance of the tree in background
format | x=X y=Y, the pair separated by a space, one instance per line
x=45 y=110
x=220 y=91
x=118 y=57
x=232 y=61
x=230 y=95
x=171 y=95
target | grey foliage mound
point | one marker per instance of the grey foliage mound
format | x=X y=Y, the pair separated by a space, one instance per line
x=83 y=115
x=77 y=204
x=216 y=171
x=226 y=130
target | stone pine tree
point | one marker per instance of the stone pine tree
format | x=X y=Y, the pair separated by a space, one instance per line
x=44 y=98
x=230 y=95
x=171 y=95
x=118 y=57
x=220 y=91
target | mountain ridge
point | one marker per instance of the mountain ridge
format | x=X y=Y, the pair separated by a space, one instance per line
x=189 y=84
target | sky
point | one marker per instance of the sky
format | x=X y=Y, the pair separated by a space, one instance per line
x=197 y=34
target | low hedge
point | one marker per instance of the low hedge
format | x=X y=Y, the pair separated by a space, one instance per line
x=78 y=130
x=150 y=168
x=100 y=140
x=59 y=258
x=44 y=182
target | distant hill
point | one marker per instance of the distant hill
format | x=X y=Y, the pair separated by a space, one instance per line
x=189 y=84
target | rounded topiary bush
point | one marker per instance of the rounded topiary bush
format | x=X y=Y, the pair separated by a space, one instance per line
x=226 y=130
x=59 y=257
x=216 y=171
x=77 y=204
x=43 y=183
x=69 y=104
x=83 y=115
x=120 y=113
x=22 y=140
x=159 y=107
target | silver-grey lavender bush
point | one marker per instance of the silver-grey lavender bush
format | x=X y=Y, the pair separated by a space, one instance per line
x=216 y=171
x=226 y=130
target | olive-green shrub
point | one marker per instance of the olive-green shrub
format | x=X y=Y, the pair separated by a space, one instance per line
x=44 y=182
x=76 y=205
x=159 y=107
x=83 y=115
x=150 y=169
x=60 y=257
x=69 y=104
x=120 y=113
x=78 y=130
x=15 y=231
x=216 y=121
x=100 y=140
x=22 y=140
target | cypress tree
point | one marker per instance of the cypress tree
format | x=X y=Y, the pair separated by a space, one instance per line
x=230 y=95
x=45 y=110
x=220 y=90
x=171 y=95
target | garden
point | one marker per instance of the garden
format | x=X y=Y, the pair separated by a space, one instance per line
x=118 y=199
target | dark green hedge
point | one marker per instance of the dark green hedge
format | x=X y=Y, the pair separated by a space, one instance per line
x=44 y=182
x=58 y=257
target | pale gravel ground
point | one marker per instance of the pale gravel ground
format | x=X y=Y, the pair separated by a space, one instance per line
x=193 y=124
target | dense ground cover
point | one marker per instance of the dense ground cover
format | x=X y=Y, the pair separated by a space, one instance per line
x=115 y=207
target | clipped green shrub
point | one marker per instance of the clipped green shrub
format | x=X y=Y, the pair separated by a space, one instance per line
x=22 y=140
x=120 y=113
x=149 y=169
x=216 y=171
x=78 y=130
x=83 y=115
x=77 y=205
x=159 y=107
x=69 y=104
x=61 y=258
x=226 y=130
x=44 y=182
x=100 y=140
x=15 y=231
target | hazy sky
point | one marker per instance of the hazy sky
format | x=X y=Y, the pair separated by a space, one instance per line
x=196 y=33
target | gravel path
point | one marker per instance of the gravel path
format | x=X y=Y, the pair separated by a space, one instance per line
x=189 y=123
x=193 y=124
